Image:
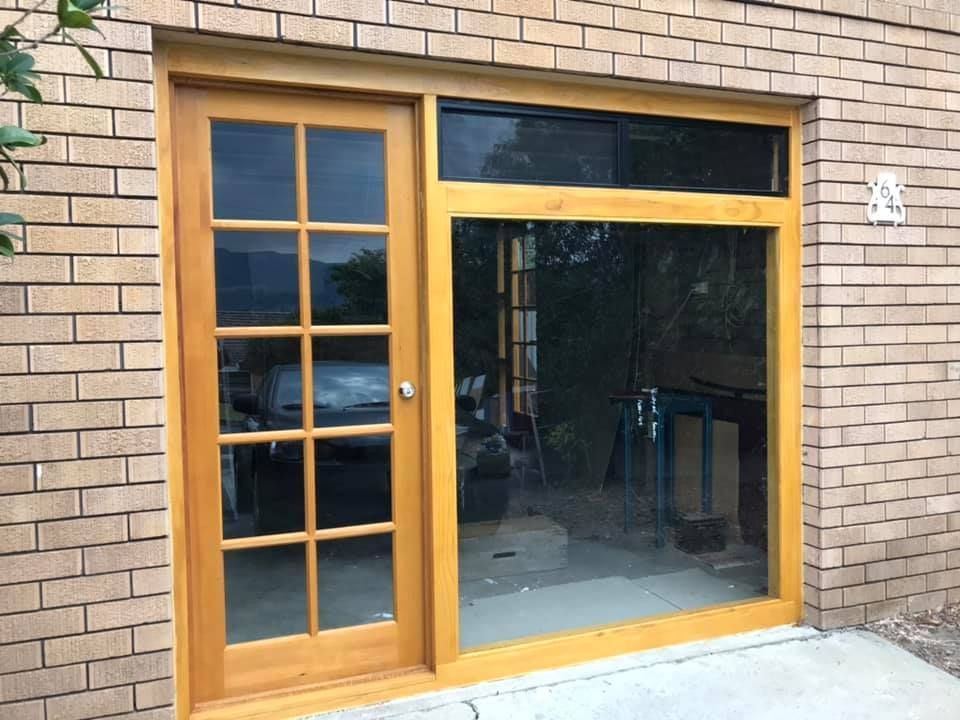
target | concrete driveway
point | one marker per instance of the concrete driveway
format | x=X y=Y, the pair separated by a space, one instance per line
x=782 y=674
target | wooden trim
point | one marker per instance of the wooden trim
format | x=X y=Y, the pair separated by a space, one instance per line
x=354 y=72
x=538 y=202
x=262 y=541
x=352 y=531
x=442 y=201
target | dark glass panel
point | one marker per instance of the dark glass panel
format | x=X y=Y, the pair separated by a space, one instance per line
x=256 y=278
x=345 y=175
x=262 y=488
x=707 y=156
x=528 y=148
x=353 y=481
x=355 y=578
x=351 y=381
x=348 y=279
x=254 y=171
x=266 y=592
x=259 y=382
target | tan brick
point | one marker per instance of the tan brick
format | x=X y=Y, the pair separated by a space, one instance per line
x=41 y=624
x=366 y=10
x=144 y=412
x=114 y=558
x=124 y=384
x=236 y=21
x=154 y=694
x=17 y=538
x=111 y=93
x=93 y=704
x=20 y=598
x=584 y=13
x=639 y=21
x=147 y=468
x=927 y=601
x=118 y=211
x=123 y=613
x=523 y=54
x=900 y=587
x=115 y=270
x=77 y=415
x=73 y=358
x=72 y=119
x=38 y=683
x=860 y=594
x=37 y=447
x=148 y=524
x=17 y=658
x=135 y=668
x=147 y=638
x=460 y=47
x=695 y=28
x=87 y=647
x=135 y=124
x=640 y=67
x=906 y=547
x=500 y=26
x=885 y=609
x=81 y=590
x=131 y=181
x=142 y=355
x=130 y=498
x=73 y=299
x=69 y=239
x=171 y=13
x=139 y=241
x=86 y=531
x=317 y=31
x=81 y=473
x=671 y=48
x=125 y=441
x=587 y=61
x=152 y=581
x=418 y=15
x=34 y=268
x=32 y=710
x=118 y=327
x=391 y=39
x=609 y=40
x=39 y=506
x=37 y=388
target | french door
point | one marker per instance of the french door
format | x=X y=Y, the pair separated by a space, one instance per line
x=297 y=260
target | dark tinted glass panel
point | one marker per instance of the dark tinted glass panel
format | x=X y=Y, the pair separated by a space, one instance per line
x=259 y=380
x=707 y=156
x=355 y=579
x=256 y=276
x=611 y=427
x=353 y=481
x=266 y=592
x=351 y=381
x=262 y=488
x=348 y=279
x=345 y=176
x=528 y=148
x=254 y=175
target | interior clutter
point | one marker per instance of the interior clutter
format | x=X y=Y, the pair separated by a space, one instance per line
x=611 y=383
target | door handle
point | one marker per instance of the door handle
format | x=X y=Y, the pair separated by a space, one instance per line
x=407 y=390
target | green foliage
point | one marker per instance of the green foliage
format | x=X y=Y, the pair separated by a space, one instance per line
x=17 y=76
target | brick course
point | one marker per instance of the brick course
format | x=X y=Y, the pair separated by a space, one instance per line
x=84 y=580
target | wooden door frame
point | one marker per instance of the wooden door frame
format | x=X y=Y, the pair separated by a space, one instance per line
x=423 y=81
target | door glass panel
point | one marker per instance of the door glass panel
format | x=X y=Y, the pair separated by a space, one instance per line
x=265 y=592
x=260 y=384
x=501 y=145
x=351 y=381
x=573 y=512
x=256 y=278
x=348 y=279
x=254 y=171
x=345 y=174
x=261 y=488
x=353 y=481
x=355 y=578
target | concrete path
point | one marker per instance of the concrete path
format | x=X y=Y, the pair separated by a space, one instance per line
x=782 y=674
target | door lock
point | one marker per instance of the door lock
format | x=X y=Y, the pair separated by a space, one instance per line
x=407 y=390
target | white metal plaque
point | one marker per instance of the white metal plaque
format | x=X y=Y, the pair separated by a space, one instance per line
x=886 y=204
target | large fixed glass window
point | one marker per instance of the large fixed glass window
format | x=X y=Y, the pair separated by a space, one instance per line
x=548 y=146
x=611 y=422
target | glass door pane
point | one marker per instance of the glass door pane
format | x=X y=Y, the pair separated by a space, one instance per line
x=611 y=422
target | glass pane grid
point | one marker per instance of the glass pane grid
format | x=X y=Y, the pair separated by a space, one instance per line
x=292 y=273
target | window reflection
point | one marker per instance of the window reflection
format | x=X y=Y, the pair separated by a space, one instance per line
x=254 y=175
x=611 y=422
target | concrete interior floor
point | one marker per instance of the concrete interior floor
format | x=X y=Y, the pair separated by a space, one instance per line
x=601 y=583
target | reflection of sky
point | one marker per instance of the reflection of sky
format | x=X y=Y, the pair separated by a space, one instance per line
x=335 y=249
x=253 y=171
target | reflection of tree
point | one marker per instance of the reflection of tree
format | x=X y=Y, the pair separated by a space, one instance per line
x=475 y=297
x=361 y=284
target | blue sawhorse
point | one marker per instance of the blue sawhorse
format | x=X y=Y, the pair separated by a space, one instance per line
x=669 y=406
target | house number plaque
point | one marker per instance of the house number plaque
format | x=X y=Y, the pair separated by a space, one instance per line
x=886 y=204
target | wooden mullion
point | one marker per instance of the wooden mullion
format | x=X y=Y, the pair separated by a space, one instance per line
x=353 y=531
x=263 y=541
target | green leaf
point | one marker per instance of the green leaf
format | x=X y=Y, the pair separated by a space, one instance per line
x=91 y=61
x=21 y=63
x=4 y=178
x=71 y=16
x=88 y=5
x=13 y=136
x=6 y=245
x=11 y=219
x=5 y=153
x=10 y=32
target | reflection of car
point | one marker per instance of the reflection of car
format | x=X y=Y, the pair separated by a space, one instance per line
x=353 y=474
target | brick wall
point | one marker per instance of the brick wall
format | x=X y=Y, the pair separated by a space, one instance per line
x=84 y=579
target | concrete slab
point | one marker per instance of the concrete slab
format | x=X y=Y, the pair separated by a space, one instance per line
x=786 y=673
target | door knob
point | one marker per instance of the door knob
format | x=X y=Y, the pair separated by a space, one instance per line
x=407 y=389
